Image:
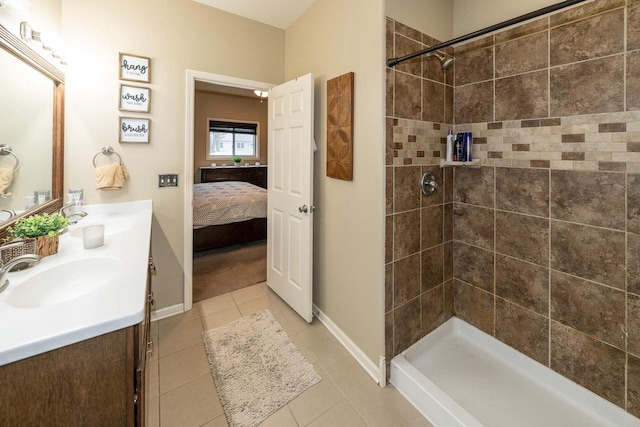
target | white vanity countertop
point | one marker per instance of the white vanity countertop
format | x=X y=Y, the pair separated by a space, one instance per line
x=116 y=304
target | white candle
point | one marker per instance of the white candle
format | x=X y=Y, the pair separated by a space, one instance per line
x=93 y=236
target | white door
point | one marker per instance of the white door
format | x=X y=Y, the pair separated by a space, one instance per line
x=290 y=194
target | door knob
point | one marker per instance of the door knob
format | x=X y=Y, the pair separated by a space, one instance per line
x=303 y=209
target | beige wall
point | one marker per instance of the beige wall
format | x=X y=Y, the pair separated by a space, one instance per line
x=333 y=38
x=177 y=35
x=432 y=17
x=232 y=107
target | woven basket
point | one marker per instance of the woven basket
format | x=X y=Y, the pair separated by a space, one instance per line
x=16 y=248
x=47 y=245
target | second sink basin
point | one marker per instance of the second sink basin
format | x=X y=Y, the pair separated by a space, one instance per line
x=64 y=282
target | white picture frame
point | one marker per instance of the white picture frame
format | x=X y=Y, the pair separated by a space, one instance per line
x=134 y=98
x=135 y=68
x=134 y=129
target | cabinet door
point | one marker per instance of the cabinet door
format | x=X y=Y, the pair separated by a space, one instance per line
x=260 y=177
x=82 y=384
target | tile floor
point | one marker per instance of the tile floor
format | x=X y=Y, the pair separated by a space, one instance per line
x=181 y=391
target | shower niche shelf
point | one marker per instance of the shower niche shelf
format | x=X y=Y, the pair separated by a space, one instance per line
x=471 y=164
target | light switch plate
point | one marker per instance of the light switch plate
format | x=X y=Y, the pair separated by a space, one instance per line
x=167 y=180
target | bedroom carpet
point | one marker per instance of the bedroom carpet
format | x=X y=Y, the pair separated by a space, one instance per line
x=220 y=271
x=256 y=368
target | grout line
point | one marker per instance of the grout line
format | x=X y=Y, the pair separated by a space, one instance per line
x=549 y=269
x=495 y=239
x=549 y=218
x=548 y=67
x=626 y=277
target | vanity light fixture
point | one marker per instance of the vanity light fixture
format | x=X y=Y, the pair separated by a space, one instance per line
x=15 y=6
x=47 y=41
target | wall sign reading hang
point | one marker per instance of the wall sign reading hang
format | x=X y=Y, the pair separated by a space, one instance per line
x=135 y=68
x=134 y=98
x=134 y=129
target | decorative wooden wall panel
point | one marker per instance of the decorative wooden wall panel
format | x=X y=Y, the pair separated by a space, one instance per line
x=340 y=127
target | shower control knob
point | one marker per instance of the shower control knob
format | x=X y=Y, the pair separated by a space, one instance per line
x=428 y=184
x=303 y=209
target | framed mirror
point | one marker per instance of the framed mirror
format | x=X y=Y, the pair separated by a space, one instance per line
x=31 y=132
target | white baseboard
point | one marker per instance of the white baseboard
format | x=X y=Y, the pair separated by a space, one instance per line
x=165 y=312
x=363 y=360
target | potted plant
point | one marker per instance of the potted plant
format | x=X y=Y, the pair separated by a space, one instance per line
x=237 y=160
x=45 y=228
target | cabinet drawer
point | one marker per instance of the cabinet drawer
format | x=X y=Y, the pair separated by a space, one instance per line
x=214 y=175
x=239 y=174
x=260 y=173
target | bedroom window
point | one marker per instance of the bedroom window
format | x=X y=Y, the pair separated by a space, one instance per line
x=229 y=139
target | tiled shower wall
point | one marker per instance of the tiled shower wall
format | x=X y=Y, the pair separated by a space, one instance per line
x=545 y=244
x=419 y=269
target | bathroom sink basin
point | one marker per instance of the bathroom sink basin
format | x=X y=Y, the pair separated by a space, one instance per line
x=111 y=225
x=64 y=282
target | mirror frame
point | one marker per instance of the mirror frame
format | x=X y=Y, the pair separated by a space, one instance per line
x=25 y=53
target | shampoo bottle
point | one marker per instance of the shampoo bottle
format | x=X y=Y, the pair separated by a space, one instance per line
x=458 y=153
x=449 y=154
x=466 y=146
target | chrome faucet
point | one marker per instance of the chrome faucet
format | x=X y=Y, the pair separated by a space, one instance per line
x=29 y=259
x=79 y=214
x=11 y=212
x=63 y=209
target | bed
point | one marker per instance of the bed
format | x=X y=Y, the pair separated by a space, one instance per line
x=228 y=213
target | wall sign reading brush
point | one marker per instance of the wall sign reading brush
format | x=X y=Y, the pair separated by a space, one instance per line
x=134 y=129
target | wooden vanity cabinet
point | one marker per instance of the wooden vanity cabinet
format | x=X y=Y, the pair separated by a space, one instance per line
x=96 y=382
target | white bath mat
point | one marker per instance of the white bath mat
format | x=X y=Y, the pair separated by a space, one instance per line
x=256 y=368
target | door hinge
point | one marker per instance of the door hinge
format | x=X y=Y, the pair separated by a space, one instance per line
x=135 y=398
x=152 y=267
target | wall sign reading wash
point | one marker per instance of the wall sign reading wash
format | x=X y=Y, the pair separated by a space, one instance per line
x=136 y=68
x=134 y=129
x=134 y=98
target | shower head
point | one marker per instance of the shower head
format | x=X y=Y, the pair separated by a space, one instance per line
x=444 y=61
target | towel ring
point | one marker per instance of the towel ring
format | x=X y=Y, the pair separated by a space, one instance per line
x=106 y=151
x=6 y=150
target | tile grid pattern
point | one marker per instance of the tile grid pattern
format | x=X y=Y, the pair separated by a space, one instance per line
x=607 y=142
x=181 y=391
x=536 y=266
x=541 y=263
x=418 y=270
x=581 y=113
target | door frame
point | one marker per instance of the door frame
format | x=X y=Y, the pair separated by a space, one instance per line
x=222 y=80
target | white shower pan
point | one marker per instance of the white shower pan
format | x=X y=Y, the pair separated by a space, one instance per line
x=459 y=376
